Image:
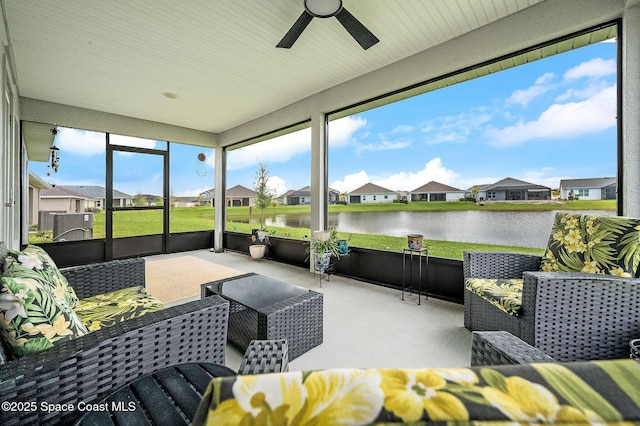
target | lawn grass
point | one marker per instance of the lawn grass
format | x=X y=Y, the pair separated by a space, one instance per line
x=187 y=219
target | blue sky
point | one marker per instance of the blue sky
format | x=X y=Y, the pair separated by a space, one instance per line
x=541 y=122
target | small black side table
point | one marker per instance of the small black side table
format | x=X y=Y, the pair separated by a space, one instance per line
x=423 y=255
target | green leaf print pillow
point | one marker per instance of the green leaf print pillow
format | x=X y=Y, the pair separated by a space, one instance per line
x=34 y=258
x=32 y=317
x=593 y=244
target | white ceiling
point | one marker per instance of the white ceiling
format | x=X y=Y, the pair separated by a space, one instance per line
x=217 y=56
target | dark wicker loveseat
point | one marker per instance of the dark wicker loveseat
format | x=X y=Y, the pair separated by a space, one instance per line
x=88 y=368
x=566 y=315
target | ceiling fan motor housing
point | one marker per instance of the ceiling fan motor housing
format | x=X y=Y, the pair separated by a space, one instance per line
x=323 y=8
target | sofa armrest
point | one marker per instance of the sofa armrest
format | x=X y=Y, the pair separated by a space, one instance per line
x=501 y=347
x=578 y=316
x=90 y=367
x=104 y=277
x=480 y=264
x=265 y=356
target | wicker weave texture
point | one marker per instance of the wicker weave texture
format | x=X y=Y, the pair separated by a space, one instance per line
x=583 y=316
x=480 y=315
x=265 y=356
x=501 y=347
x=101 y=278
x=90 y=367
x=298 y=319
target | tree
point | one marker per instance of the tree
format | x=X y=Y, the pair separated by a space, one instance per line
x=265 y=194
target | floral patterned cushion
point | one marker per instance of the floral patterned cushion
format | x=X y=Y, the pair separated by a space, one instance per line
x=579 y=393
x=107 y=309
x=36 y=259
x=32 y=316
x=593 y=244
x=505 y=294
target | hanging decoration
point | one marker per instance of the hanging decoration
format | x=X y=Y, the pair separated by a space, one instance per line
x=201 y=165
x=54 y=151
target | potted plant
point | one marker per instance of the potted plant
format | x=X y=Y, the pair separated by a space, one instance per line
x=260 y=236
x=322 y=246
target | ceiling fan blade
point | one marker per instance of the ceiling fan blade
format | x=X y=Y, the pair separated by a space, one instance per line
x=359 y=32
x=294 y=32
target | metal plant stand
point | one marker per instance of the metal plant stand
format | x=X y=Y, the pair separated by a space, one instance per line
x=423 y=256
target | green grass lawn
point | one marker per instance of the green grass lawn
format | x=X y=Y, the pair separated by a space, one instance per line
x=130 y=223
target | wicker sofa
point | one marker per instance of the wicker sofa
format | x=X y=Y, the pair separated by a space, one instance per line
x=92 y=366
x=567 y=315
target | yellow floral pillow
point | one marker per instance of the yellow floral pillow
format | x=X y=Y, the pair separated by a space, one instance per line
x=535 y=393
x=32 y=318
x=593 y=244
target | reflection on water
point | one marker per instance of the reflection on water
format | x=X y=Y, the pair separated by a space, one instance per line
x=525 y=229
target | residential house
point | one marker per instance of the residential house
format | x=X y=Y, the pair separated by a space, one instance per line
x=239 y=195
x=435 y=191
x=99 y=194
x=62 y=199
x=206 y=198
x=36 y=185
x=302 y=196
x=513 y=189
x=589 y=188
x=371 y=193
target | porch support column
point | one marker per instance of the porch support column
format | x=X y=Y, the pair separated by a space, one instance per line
x=219 y=196
x=319 y=162
x=631 y=112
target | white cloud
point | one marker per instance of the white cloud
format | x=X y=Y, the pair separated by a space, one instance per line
x=351 y=181
x=402 y=128
x=277 y=185
x=383 y=145
x=342 y=131
x=594 y=68
x=433 y=170
x=283 y=148
x=566 y=120
x=455 y=128
x=524 y=97
x=80 y=142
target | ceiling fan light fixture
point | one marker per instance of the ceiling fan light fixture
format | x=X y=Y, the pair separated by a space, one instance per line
x=323 y=8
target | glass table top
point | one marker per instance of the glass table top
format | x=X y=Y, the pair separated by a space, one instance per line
x=258 y=292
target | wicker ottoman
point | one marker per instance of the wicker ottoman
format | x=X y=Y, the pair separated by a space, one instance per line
x=264 y=308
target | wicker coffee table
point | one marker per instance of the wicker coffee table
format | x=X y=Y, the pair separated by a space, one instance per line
x=265 y=308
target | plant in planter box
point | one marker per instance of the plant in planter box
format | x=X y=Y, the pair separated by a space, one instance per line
x=322 y=246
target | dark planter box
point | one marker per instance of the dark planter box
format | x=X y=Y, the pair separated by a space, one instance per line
x=381 y=267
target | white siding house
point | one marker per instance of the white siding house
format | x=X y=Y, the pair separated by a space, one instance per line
x=435 y=191
x=371 y=193
x=589 y=189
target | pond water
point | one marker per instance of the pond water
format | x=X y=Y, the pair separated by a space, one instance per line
x=525 y=229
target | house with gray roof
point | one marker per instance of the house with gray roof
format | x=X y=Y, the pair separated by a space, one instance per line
x=205 y=198
x=513 y=189
x=62 y=199
x=99 y=194
x=371 y=193
x=589 y=189
x=302 y=196
x=239 y=195
x=436 y=191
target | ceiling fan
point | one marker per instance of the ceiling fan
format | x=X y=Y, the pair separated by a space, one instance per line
x=328 y=9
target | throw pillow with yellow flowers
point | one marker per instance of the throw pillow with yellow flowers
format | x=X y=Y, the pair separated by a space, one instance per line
x=536 y=393
x=593 y=244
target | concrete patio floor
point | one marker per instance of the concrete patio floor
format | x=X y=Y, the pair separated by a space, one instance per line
x=364 y=325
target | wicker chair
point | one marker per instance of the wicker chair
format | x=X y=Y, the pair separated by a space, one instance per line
x=566 y=315
x=92 y=366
